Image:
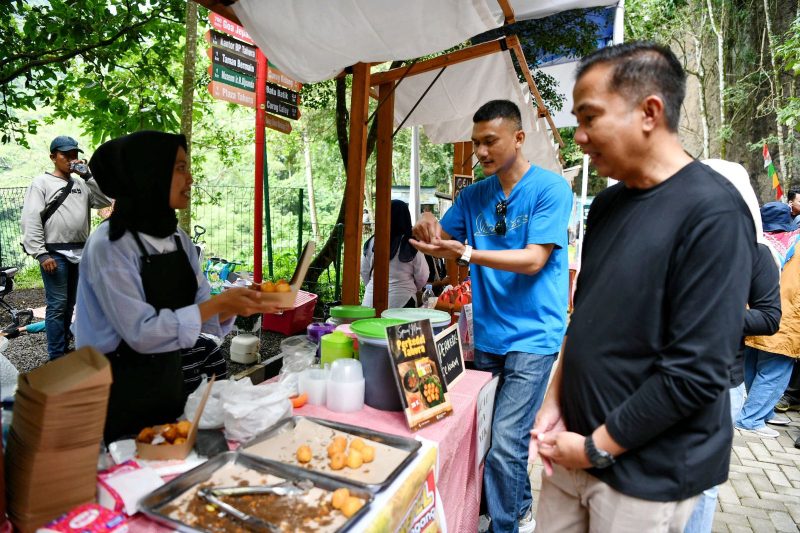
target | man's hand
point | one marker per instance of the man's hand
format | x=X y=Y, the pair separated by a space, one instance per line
x=49 y=265
x=447 y=249
x=243 y=302
x=565 y=448
x=427 y=228
x=549 y=423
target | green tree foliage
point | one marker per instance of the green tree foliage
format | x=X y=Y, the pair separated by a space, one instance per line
x=111 y=63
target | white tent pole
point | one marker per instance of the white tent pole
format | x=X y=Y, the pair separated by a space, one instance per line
x=413 y=190
x=584 y=190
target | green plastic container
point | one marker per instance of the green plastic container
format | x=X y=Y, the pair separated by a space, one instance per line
x=335 y=346
x=380 y=388
x=347 y=314
x=439 y=319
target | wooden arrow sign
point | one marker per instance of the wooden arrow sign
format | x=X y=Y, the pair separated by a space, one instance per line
x=278 y=124
x=220 y=56
x=280 y=94
x=231 y=77
x=231 y=28
x=282 y=109
x=274 y=75
x=220 y=40
x=221 y=91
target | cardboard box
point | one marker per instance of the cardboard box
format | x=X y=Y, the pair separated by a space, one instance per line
x=175 y=451
x=286 y=299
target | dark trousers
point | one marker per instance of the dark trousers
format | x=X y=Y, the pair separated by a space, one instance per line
x=60 y=288
x=793 y=390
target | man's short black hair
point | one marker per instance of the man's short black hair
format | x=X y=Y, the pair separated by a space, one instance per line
x=642 y=68
x=499 y=109
x=792 y=194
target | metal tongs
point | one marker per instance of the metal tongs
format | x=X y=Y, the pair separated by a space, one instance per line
x=285 y=488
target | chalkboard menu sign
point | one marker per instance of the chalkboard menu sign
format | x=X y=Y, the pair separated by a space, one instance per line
x=460 y=182
x=416 y=369
x=451 y=359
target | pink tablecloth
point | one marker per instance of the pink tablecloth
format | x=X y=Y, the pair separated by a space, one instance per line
x=459 y=480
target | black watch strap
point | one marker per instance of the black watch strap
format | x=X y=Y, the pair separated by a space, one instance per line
x=597 y=457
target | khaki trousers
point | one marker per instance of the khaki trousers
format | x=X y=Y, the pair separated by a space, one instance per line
x=574 y=501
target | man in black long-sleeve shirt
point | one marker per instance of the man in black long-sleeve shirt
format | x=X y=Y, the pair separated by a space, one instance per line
x=636 y=422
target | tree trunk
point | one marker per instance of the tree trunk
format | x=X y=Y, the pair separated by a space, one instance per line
x=312 y=204
x=701 y=89
x=327 y=254
x=187 y=99
x=717 y=29
x=777 y=93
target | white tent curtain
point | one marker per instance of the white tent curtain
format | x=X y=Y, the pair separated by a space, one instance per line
x=446 y=110
x=312 y=40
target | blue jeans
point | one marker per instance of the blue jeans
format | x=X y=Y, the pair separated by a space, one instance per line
x=523 y=382
x=766 y=376
x=703 y=515
x=60 y=288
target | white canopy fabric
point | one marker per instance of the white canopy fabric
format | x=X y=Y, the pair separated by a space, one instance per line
x=564 y=73
x=446 y=110
x=313 y=40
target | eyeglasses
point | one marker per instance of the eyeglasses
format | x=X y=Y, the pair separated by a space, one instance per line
x=500 y=209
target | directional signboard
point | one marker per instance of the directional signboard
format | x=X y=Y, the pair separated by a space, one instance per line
x=282 y=109
x=231 y=28
x=279 y=94
x=279 y=78
x=229 y=93
x=220 y=56
x=231 y=77
x=220 y=40
x=278 y=124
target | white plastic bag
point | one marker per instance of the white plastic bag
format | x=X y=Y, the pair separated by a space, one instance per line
x=8 y=373
x=213 y=415
x=250 y=409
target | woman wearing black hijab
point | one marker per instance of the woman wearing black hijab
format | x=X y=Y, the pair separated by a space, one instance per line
x=142 y=297
x=408 y=270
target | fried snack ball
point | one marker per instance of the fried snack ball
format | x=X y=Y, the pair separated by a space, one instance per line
x=179 y=440
x=351 y=506
x=340 y=496
x=304 y=453
x=337 y=461
x=368 y=453
x=267 y=286
x=170 y=432
x=184 y=427
x=146 y=435
x=283 y=287
x=357 y=444
x=355 y=459
x=340 y=443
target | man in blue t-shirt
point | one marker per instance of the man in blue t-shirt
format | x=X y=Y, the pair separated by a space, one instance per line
x=514 y=224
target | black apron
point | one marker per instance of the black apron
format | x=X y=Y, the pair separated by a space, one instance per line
x=148 y=388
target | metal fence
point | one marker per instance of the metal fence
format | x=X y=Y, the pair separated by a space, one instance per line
x=226 y=212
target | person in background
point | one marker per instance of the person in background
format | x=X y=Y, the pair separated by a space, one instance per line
x=142 y=297
x=408 y=271
x=794 y=203
x=55 y=226
x=762 y=317
x=437 y=278
x=515 y=225
x=636 y=421
x=769 y=360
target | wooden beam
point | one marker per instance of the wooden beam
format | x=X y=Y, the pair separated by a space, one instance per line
x=516 y=47
x=453 y=58
x=508 y=11
x=221 y=8
x=383 y=198
x=354 y=190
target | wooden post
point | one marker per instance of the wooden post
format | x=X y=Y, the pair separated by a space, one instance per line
x=383 y=198
x=354 y=190
x=462 y=164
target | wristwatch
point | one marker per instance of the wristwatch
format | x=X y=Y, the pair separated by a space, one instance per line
x=464 y=259
x=599 y=458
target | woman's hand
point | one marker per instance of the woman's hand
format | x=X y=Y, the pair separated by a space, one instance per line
x=237 y=301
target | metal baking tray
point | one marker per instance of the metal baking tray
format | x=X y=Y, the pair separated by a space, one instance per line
x=153 y=504
x=408 y=445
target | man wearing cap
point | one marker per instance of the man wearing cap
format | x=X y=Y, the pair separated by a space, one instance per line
x=55 y=225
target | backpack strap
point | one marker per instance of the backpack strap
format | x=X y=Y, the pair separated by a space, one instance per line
x=55 y=204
